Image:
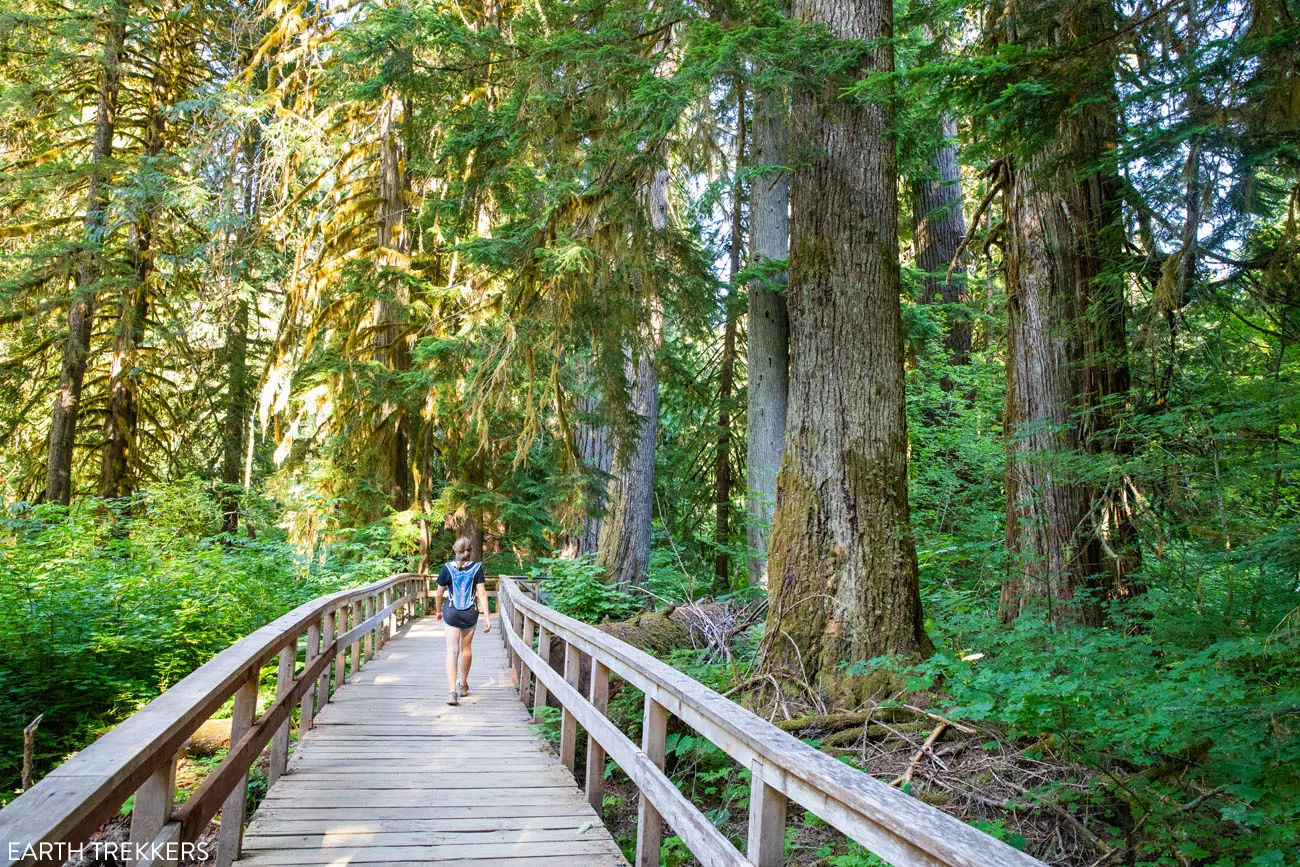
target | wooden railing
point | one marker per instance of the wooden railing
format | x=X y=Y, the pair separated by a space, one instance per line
x=342 y=632
x=898 y=828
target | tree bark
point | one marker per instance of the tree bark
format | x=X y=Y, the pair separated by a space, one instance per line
x=768 y=349
x=1071 y=543
x=939 y=227
x=591 y=446
x=842 y=569
x=722 y=460
x=81 y=313
x=628 y=525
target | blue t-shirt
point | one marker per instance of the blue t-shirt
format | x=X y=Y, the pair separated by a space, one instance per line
x=461 y=580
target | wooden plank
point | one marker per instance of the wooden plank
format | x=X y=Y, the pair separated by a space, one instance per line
x=281 y=824
x=401 y=854
x=334 y=858
x=268 y=812
x=454 y=778
x=335 y=839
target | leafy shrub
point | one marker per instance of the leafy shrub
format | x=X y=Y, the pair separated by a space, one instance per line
x=577 y=587
x=1165 y=686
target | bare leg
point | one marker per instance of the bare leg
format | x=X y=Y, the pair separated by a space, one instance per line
x=454 y=644
x=466 y=653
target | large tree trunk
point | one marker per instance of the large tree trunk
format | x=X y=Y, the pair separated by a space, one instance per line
x=842 y=568
x=390 y=346
x=939 y=226
x=768 y=350
x=591 y=446
x=81 y=314
x=626 y=530
x=629 y=520
x=722 y=460
x=1071 y=543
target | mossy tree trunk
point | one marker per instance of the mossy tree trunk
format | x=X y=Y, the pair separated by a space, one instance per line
x=842 y=570
x=1070 y=541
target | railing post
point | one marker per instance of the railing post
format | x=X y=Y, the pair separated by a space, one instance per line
x=544 y=651
x=308 y=712
x=766 y=845
x=369 y=650
x=323 y=687
x=517 y=627
x=387 y=631
x=283 y=683
x=649 y=825
x=595 y=752
x=526 y=674
x=568 y=722
x=340 y=652
x=153 y=806
x=231 y=836
x=356 y=642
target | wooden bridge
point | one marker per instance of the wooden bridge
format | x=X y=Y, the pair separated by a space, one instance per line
x=384 y=772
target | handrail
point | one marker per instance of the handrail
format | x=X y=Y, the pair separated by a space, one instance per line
x=139 y=756
x=888 y=822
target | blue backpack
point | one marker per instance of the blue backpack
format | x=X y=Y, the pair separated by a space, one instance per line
x=462 y=585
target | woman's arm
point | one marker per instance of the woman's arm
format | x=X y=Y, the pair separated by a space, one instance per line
x=437 y=601
x=483 y=608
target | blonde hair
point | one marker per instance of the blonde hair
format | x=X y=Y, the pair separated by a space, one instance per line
x=461 y=546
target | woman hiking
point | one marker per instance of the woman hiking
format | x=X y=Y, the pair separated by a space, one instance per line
x=462 y=579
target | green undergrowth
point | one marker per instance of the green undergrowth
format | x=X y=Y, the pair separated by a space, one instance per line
x=106 y=604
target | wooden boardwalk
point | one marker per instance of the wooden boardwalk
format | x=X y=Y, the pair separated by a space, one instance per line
x=391 y=774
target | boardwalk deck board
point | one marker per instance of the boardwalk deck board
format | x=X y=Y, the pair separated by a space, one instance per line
x=390 y=774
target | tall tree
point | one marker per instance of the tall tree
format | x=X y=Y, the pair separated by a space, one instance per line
x=842 y=572
x=81 y=313
x=768 y=326
x=116 y=474
x=722 y=460
x=390 y=310
x=628 y=525
x=1070 y=539
x=938 y=229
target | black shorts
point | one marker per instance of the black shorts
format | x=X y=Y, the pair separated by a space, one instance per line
x=460 y=618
